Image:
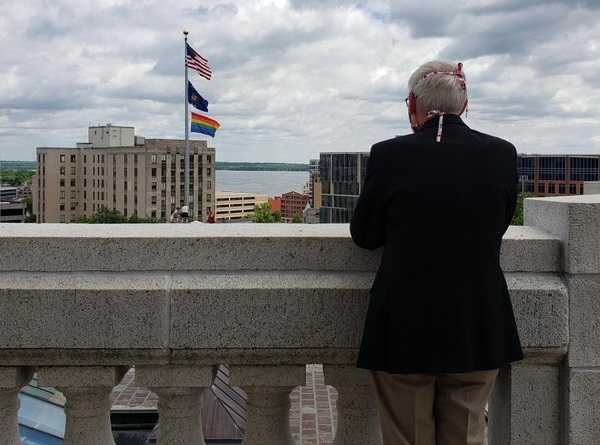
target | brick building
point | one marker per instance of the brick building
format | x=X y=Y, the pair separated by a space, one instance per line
x=293 y=203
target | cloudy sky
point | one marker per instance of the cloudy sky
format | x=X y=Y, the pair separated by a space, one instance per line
x=293 y=78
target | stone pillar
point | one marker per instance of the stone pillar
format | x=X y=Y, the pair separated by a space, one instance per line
x=11 y=382
x=358 y=422
x=179 y=389
x=576 y=221
x=525 y=406
x=268 y=391
x=87 y=390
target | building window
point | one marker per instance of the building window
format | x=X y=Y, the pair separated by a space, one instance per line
x=153 y=213
x=125 y=171
x=573 y=189
x=164 y=158
x=551 y=188
x=103 y=161
x=85 y=170
x=125 y=185
x=85 y=194
x=62 y=182
x=102 y=171
x=62 y=158
x=154 y=186
x=72 y=182
x=73 y=158
x=153 y=199
x=125 y=199
x=62 y=171
x=62 y=194
x=125 y=211
x=102 y=196
x=73 y=195
x=561 y=189
x=62 y=207
x=73 y=171
x=153 y=158
x=73 y=206
x=208 y=171
x=154 y=172
x=208 y=159
x=84 y=182
x=84 y=158
x=135 y=172
x=85 y=206
x=208 y=197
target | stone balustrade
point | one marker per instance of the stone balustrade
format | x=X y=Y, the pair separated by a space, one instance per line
x=80 y=304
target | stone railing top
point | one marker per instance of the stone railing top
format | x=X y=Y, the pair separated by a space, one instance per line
x=185 y=247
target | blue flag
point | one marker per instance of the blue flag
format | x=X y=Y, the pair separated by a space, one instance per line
x=196 y=99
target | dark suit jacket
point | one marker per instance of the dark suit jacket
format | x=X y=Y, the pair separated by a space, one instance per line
x=439 y=302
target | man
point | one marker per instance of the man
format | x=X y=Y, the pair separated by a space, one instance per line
x=440 y=322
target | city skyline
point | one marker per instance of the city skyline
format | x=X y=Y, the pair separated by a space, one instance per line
x=296 y=78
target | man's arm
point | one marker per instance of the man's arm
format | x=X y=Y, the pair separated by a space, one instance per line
x=368 y=221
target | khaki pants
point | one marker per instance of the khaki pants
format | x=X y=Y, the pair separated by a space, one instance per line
x=440 y=409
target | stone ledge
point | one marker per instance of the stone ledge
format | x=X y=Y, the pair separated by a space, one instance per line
x=227 y=247
x=216 y=317
x=575 y=221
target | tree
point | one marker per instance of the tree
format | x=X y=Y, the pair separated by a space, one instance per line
x=134 y=219
x=16 y=178
x=108 y=216
x=263 y=213
x=104 y=216
x=518 y=216
x=297 y=218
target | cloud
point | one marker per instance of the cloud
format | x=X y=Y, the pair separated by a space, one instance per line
x=293 y=78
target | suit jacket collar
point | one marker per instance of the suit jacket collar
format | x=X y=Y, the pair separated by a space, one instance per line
x=449 y=119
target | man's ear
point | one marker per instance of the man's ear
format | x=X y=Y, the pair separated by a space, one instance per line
x=412 y=103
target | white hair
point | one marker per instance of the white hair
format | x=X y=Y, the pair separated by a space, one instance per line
x=440 y=92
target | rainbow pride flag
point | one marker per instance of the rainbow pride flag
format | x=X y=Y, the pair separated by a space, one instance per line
x=204 y=125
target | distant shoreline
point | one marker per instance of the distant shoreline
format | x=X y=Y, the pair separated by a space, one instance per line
x=221 y=165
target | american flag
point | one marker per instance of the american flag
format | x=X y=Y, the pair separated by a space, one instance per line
x=198 y=63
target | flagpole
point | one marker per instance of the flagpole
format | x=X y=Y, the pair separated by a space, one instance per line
x=186 y=162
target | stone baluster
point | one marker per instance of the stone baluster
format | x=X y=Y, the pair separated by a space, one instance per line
x=357 y=422
x=11 y=381
x=268 y=391
x=87 y=409
x=179 y=389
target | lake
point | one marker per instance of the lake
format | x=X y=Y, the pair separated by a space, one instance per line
x=271 y=183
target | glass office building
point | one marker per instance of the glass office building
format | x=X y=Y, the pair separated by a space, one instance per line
x=342 y=176
x=545 y=175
